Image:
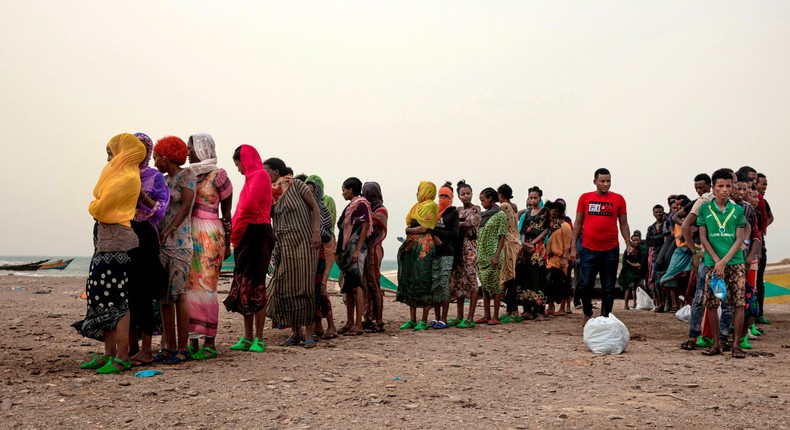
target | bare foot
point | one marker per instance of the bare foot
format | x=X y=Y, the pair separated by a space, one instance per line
x=142 y=358
x=344 y=329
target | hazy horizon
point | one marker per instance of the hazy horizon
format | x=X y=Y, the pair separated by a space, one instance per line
x=524 y=93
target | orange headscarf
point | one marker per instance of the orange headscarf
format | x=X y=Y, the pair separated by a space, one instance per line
x=425 y=211
x=445 y=203
x=118 y=187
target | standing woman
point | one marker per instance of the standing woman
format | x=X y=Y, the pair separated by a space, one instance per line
x=297 y=226
x=371 y=191
x=415 y=257
x=175 y=235
x=532 y=261
x=445 y=234
x=512 y=245
x=490 y=242
x=116 y=194
x=464 y=278
x=211 y=243
x=327 y=203
x=253 y=241
x=557 y=253
x=147 y=278
x=352 y=250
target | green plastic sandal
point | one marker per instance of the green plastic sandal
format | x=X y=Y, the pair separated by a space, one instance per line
x=745 y=343
x=453 y=322
x=420 y=326
x=204 y=353
x=754 y=331
x=257 y=345
x=242 y=345
x=95 y=364
x=704 y=342
x=109 y=369
x=408 y=325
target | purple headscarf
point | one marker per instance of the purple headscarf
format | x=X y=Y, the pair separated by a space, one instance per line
x=153 y=184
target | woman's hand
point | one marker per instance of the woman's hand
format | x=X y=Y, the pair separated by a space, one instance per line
x=495 y=261
x=165 y=233
x=227 y=251
x=437 y=240
x=355 y=257
x=316 y=240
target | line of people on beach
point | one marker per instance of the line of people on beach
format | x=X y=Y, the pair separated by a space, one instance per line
x=162 y=233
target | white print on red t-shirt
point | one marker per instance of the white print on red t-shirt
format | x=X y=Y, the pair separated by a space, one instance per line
x=600 y=208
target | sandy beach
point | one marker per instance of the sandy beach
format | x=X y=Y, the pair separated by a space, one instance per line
x=519 y=376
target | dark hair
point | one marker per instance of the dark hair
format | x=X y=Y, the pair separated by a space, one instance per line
x=723 y=173
x=703 y=177
x=489 y=193
x=237 y=154
x=658 y=207
x=506 y=191
x=747 y=170
x=302 y=177
x=742 y=177
x=536 y=189
x=670 y=198
x=684 y=200
x=353 y=184
x=761 y=176
x=637 y=233
x=461 y=185
x=289 y=171
x=277 y=165
x=602 y=171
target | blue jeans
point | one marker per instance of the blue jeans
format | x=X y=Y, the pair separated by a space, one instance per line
x=591 y=263
x=698 y=311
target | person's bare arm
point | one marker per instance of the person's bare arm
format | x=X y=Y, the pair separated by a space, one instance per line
x=310 y=201
x=187 y=195
x=362 y=235
x=225 y=206
x=688 y=235
x=625 y=231
x=499 y=246
x=416 y=230
x=577 y=229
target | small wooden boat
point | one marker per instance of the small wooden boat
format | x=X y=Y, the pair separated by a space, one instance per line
x=56 y=265
x=23 y=266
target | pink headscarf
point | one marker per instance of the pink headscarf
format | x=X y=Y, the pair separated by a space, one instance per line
x=255 y=200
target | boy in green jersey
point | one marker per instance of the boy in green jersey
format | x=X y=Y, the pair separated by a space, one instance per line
x=721 y=223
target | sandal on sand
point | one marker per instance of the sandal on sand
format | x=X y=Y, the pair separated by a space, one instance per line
x=257 y=345
x=290 y=342
x=493 y=322
x=481 y=320
x=175 y=359
x=162 y=355
x=711 y=351
x=96 y=363
x=343 y=330
x=242 y=345
x=328 y=336
x=738 y=353
x=109 y=368
x=309 y=343
x=204 y=353
x=688 y=345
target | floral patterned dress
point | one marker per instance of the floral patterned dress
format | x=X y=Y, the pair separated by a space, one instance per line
x=464 y=278
x=208 y=239
x=532 y=267
x=415 y=269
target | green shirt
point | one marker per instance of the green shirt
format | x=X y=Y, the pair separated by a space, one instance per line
x=329 y=202
x=722 y=241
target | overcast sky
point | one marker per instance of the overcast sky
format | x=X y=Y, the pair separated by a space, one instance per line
x=519 y=92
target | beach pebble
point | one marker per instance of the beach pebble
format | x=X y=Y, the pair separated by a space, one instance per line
x=616 y=417
x=7 y=403
x=328 y=379
x=289 y=379
x=124 y=383
x=563 y=416
x=42 y=291
x=412 y=406
x=192 y=393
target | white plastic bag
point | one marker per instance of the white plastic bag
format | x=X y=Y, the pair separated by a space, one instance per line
x=606 y=335
x=643 y=300
x=684 y=313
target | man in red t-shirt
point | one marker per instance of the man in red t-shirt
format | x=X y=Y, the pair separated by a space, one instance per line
x=597 y=216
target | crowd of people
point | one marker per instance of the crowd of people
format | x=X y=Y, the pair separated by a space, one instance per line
x=161 y=235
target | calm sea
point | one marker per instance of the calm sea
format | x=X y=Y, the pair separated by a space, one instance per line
x=80 y=265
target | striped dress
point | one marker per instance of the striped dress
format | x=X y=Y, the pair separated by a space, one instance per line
x=291 y=287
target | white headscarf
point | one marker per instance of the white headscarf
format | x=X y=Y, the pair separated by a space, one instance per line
x=204 y=147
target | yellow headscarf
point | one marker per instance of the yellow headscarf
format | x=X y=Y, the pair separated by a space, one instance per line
x=118 y=188
x=425 y=211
